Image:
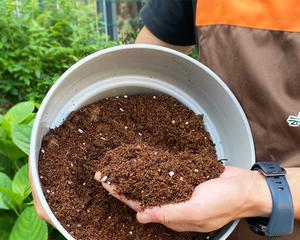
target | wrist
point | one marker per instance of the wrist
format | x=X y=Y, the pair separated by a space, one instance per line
x=259 y=200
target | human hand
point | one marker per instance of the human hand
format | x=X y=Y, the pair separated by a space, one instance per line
x=237 y=193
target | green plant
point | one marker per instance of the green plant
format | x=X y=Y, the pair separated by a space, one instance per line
x=18 y=218
x=39 y=42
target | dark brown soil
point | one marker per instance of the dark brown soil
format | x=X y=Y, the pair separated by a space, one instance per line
x=156 y=176
x=127 y=128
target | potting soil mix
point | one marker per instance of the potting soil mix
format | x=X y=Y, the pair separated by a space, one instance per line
x=153 y=148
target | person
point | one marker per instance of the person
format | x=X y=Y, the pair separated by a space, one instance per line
x=254 y=46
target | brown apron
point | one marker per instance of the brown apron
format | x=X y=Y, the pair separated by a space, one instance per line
x=254 y=46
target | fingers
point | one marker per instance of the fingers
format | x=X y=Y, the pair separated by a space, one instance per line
x=112 y=190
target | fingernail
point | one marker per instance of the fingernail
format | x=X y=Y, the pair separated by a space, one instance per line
x=144 y=217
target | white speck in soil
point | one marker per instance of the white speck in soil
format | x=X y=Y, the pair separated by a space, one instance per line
x=69 y=182
x=125 y=96
x=207 y=177
x=159 y=170
x=186 y=123
x=68 y=225
x=171 y=173
x=207 y=237
x=100 y=134
x=104 y=179
x=108 y=182
x=48 y=191
x=117 y=96
x=88 y=211
x=122 y=110
x=126 y=127
x=102 y=138
x=154 y=97
x=173 y=121
x=140 y=134
x=181 y=178
x=83 y=143
x=52 y=193
x=41 y=177
x=196 y=170
x=84 y=184
x=155 y=153
x=43 y=151
x=80 y=130
x=130 y=232
x=109 y=217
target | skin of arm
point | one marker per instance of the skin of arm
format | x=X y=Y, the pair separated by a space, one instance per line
x=146 y=37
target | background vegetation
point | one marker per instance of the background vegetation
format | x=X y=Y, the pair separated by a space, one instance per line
x=38 y=43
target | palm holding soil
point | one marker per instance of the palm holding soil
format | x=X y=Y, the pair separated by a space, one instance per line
x=213 y=204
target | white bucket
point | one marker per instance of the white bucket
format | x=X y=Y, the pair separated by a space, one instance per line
x=139 y=69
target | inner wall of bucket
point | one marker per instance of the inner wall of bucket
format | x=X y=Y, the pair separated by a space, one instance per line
x=135 y=85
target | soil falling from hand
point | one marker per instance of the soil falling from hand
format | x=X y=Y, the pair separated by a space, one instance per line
x=152 y=147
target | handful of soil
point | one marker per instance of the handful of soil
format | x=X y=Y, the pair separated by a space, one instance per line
x=154 y=176
x=146 y=145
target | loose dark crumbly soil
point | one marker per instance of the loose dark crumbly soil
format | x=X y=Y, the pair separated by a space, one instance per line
x=155 y=149
x=157 y=176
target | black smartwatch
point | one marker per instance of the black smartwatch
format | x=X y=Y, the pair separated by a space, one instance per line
x=281 y=222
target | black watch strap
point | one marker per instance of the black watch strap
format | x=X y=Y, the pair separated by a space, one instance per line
x=281 y=222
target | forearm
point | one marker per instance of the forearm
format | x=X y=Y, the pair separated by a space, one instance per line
x=293 y=178
x=146 y=37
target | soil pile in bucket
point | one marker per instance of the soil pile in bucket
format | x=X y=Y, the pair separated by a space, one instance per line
x=153 y=148
x=154 y=176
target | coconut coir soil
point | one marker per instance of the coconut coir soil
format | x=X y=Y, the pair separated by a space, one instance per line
x=152 y=147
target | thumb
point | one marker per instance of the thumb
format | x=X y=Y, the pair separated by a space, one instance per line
x=167 y=214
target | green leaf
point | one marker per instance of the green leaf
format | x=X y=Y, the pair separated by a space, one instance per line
x=11 y=200
x=29 y=226
x=3 y=133
x=20 y=183
x=8 y=148
x=6 y=183
x=21 y=136
x=1 y=119
x=19 y=112
x=6 y=165
x=6 y=224
x=30 y=119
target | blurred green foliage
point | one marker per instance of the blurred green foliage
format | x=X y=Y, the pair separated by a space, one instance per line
x=39 y=40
